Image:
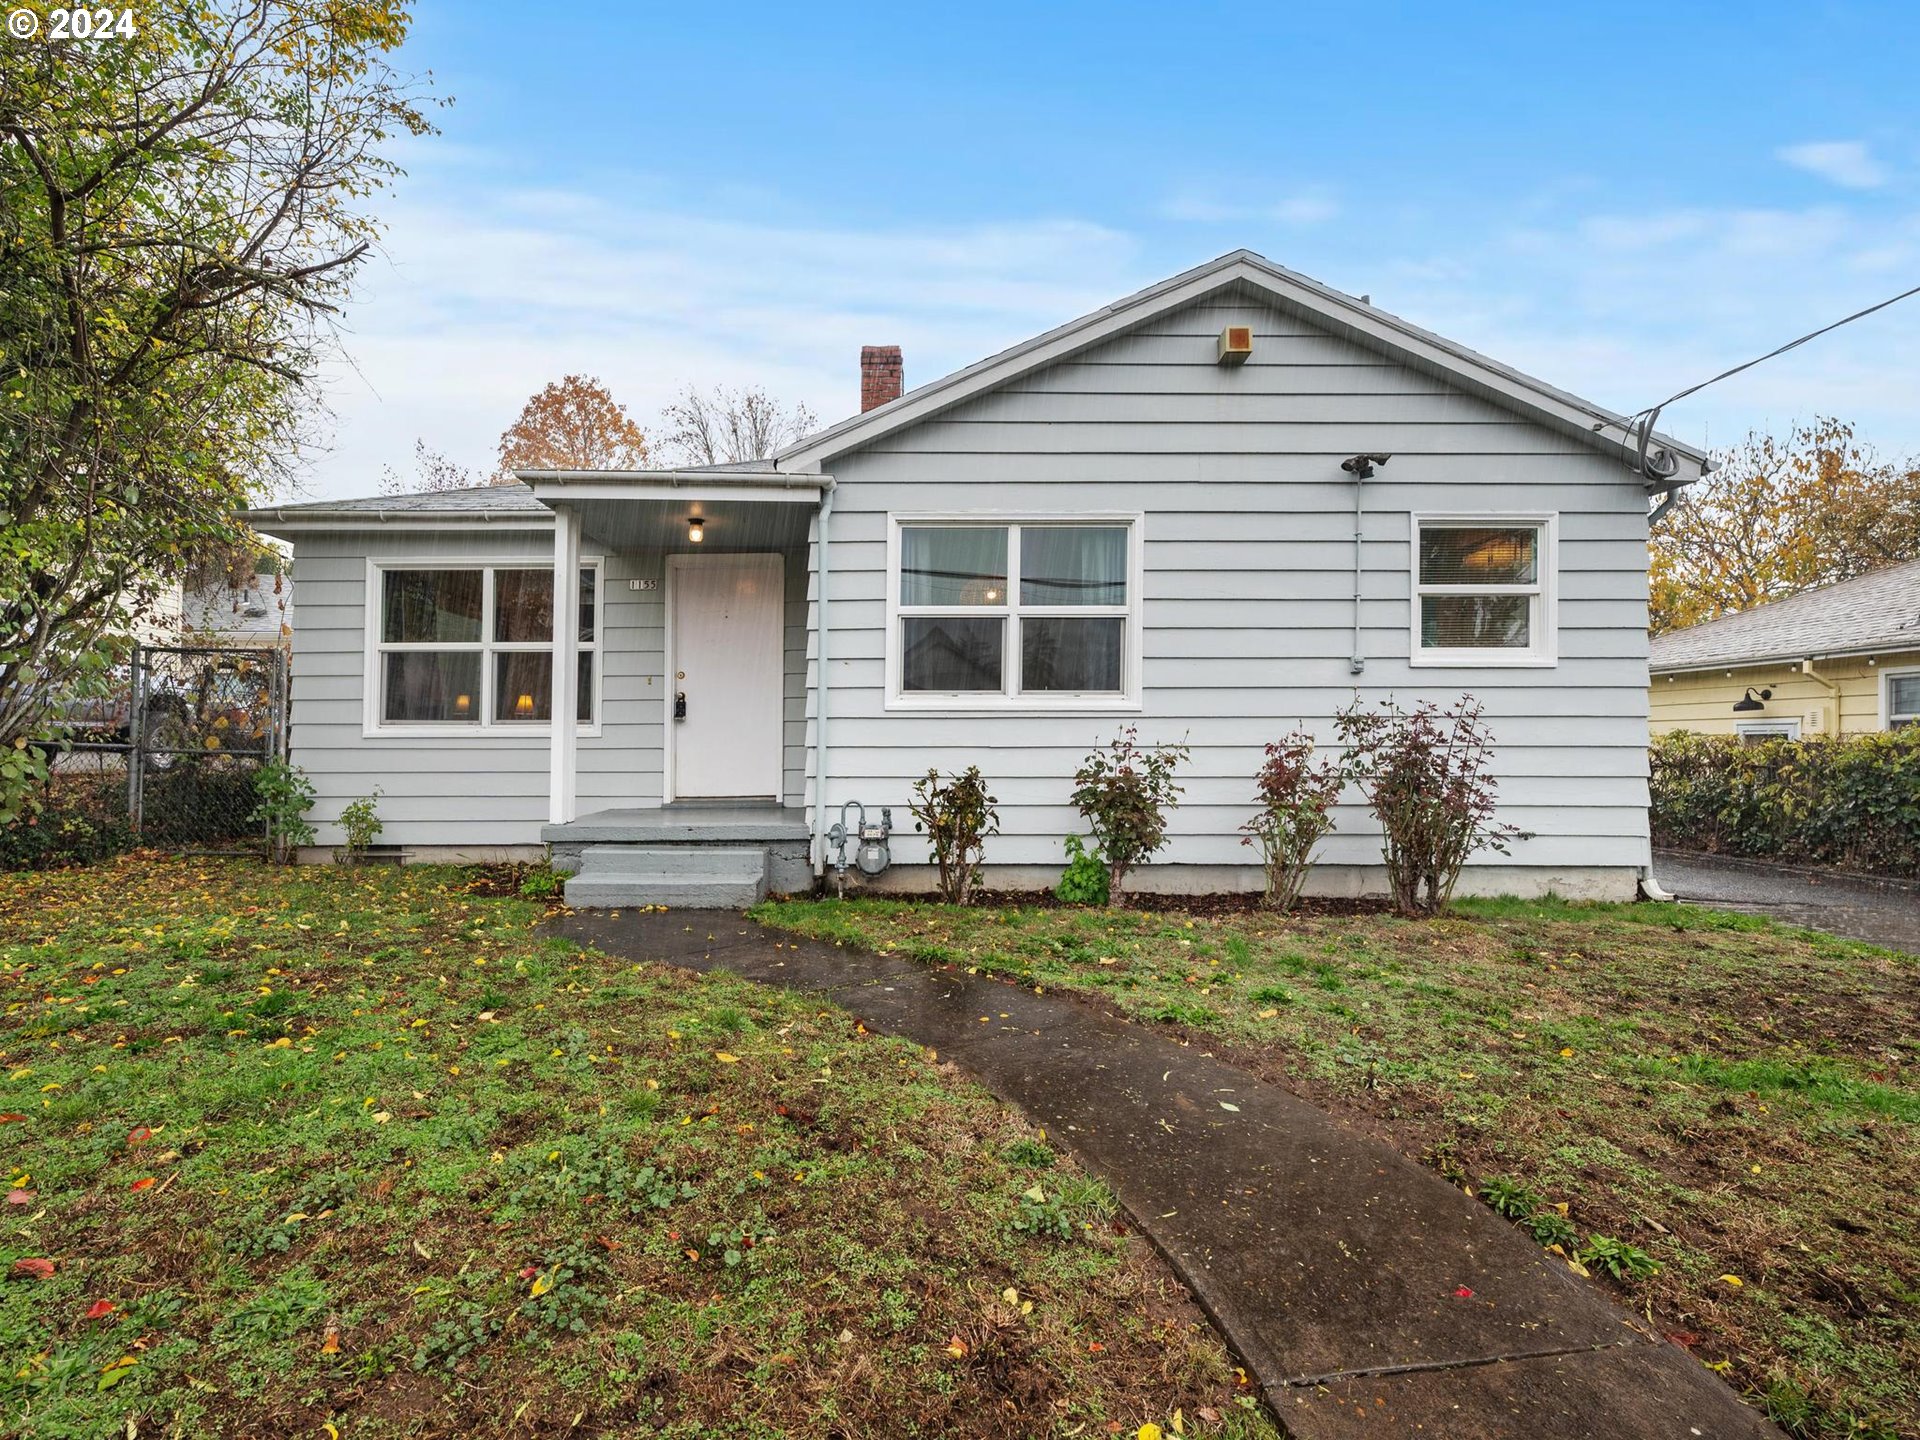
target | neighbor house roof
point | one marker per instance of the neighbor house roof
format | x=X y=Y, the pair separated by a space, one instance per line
x=1867 y=615
x=1347 y=316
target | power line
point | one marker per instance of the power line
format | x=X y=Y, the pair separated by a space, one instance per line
x=1653 y=410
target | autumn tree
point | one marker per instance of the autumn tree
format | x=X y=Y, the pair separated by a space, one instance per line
x=181 y=216
x=1779 y=517
x=724 y=426
x=432 y=473
x=573 y=424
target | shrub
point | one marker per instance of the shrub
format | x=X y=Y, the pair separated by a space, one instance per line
x=1427 y=778
x=957 y=817
x=1296 y=800
x=1125 y=792
x=362 y=824
x=1084 y=881
x=1853 y=803
x=75 y=822
x=286 y=794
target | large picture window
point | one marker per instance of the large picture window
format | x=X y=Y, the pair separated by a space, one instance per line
x=471 y=647
x=1902 y=698
x=1482 y=591
x=1035 y=612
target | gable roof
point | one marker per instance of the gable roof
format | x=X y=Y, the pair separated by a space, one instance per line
x=1343 y=315
x=1866 y=615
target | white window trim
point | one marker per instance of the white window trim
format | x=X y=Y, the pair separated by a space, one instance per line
x=1545 y=650
x=1784 y=727
x=1010 y=698
x=373 y=723
x=1887 y=677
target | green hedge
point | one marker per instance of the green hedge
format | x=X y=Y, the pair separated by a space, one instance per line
x=1853 y=803
x=81 y=821
x=84 y=818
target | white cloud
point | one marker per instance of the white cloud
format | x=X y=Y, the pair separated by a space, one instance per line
x=1209 y=207
x=484 y=297
x=1847 y=163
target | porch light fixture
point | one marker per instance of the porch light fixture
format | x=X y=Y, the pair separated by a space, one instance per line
x=523 y=707
x=1746 y=704
x=696 y=530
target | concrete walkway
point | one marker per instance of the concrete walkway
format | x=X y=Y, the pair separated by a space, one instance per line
x=1366 y=1295
x=1886 y=913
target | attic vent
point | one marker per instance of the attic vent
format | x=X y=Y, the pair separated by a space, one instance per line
x=1236 y=344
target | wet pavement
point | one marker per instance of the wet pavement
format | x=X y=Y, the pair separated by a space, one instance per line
x=1365 y=1294
x=1856 y=909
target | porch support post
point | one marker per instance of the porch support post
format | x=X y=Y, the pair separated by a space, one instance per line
x=566 y=662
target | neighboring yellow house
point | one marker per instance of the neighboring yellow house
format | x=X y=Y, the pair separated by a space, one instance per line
x=1840 y=660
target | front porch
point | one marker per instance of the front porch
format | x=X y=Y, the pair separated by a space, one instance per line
x=711 y=854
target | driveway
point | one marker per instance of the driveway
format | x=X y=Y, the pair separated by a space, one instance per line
x=1858 y=910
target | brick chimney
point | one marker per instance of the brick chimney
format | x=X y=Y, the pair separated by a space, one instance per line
x=882 y=375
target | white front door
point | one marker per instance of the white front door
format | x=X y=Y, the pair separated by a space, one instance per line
x=725 y=653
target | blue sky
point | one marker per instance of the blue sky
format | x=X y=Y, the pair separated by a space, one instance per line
x=1621 y=202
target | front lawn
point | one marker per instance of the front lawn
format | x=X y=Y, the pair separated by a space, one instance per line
x=361 y=1153
x=1738 y=1102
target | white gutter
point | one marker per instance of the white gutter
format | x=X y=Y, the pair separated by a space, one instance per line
x=821 y=769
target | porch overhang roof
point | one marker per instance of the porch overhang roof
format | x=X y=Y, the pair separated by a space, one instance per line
x=642 y=510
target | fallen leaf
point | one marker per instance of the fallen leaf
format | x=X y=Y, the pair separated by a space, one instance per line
x=333 y=1431
x=1225 y=1106
x=113 y=1374
x=1208 y=1414
x=956 y=1347
x=98 y=1310
x=1462 y=1292
x=330 y=1341
x=1148 y=1431
x=1576 y=1267
x=1733 y=1280
x=38 y=1268
x=142 y=1184
x=542 y=1283
x=139 y=1135
x=725 y=1059
x=1263 y=1015
x=1179 y=1423
x=20 y=1197
x=1567 y=1053
x=1036 y=1194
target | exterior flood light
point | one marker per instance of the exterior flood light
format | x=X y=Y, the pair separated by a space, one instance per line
x=696 y=530
x=1746 y=704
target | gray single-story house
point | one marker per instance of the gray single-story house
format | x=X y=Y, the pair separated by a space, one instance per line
x=1174 y=513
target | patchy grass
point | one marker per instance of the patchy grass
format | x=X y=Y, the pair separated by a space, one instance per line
x=362 y=1151
x=1735 y=1103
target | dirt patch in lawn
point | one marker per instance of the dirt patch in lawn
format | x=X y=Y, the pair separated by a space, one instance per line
x=1721 y=1116
x=360 y=1148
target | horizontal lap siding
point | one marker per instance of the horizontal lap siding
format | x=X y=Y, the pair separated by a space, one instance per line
x=1248 y=583
x=1702 y=701
x=493 y=790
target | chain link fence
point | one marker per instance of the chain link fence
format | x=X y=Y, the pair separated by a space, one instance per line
x=172 y=752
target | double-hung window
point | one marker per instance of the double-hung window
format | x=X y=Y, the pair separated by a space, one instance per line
x=1903 y=698
x=1483 y=591
x=1036 y=613
x=471 y=647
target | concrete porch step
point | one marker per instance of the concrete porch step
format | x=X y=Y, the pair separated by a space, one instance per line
x=680 y=876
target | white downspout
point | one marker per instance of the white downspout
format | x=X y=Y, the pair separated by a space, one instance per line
x=821 y=769
x=1356 y=661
